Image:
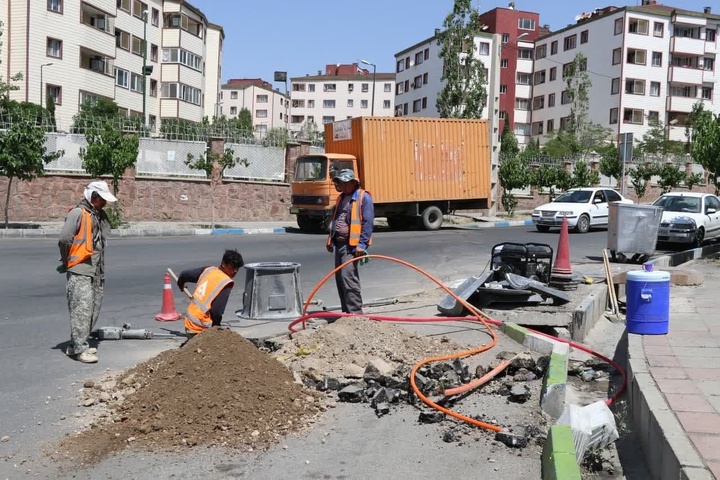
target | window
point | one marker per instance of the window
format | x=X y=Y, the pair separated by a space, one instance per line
x=524 y=78
x=417 y=105
x=564 y=122
x=54 y=48
x=364 y=87
x=522 y=129
x=121 y=78
x=261 y=98
x=654 y=89
x=153 y=53
x=426 y=54
x=311 y=104
x=233 y=95
x=419 y=58
x=616 y=56
x=137 y=45
x=153 y=88
x=637 y=57
x=155 y=17
x=55 y=6
x=541 y=51
x=526 y=24
x=638 y=26
x=328 y=119
x=260 y=113
x=539 y=102
x=502 y=114
x=615 y=86
x=138 y=8
x=399 y=88
x=584 y=35
x=537 y=128
x=656 y=59
x=328 y=103
x=635 y=87
x=407 y=63
x=612 y=196
x=658 y=29
x=634 y=116
x=417 y=82
x=328 y=87
x=136 y=82
x=522 y=104
x=707 y=93
x=553 y=74
x=653 y=117
x=539 y=77
x=350 y=103
x=554 y=47
x=484 y=48
x=351 y=87
x=386 y=104
x=503 y=88
x=124 y=5
x=550 y=126
x=565 y=97
x=405 y=108
x=551 y=100
x=504 y=63
x=400 y=66
x=709 y=35
x=54 y=92
x=387 y=88
x=570 y=42
x=298 y=104
x=709 y=64
x=618 y=26
x=525 y=53
x=505 y=37
x=233 y=111
x=298 y=87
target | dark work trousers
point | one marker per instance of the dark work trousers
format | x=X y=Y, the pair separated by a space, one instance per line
x=348 y=282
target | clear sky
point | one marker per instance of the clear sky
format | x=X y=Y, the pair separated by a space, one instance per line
x=301 y=36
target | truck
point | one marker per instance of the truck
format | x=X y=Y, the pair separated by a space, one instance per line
x=416 y=169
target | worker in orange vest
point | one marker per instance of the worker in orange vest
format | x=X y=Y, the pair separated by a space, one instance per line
x=212 y=290
x=82 y=256
x=350 y=236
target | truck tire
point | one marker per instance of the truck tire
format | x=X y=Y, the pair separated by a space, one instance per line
x=399 y=222
x=432 y=218
x=306 y=224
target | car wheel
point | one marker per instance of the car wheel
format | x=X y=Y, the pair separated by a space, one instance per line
x=542 y=228
x=583 y=224
x=699 y=237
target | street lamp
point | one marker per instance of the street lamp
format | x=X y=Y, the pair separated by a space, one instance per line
x=372 y=106
x=42 y=86
x=145 y=69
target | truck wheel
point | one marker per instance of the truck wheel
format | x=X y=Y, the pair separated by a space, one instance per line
x=399 y=222
x=432 y=218
x=307 y=224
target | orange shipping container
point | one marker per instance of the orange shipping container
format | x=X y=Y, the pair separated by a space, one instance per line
x=416 y=159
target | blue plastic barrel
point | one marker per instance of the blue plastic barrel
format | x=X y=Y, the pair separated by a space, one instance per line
x=648 y=302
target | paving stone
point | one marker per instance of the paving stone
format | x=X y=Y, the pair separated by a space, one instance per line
x=694 y=341
x=703 y=352
x=704 y=373
x=663 y=361
x=658 y=350
x=707 y=445
x=668 y=372
x=686 y=387
x=648 y=340
x=688 y=403
x=678 y=333
x=714 y=468
x=700 y=422
x=709 y=388
x=696 y=362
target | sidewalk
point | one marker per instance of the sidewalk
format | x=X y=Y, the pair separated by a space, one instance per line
x=675 y=387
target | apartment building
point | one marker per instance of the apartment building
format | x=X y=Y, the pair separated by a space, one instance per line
x=343 y=91
x=647 y=63
x=268 y=106
x=83 y=50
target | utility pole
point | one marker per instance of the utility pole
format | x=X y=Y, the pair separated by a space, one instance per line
x=372 y=105
x=42 y=85
x=144 y=70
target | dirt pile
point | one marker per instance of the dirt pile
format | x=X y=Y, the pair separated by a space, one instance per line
x=216 y=390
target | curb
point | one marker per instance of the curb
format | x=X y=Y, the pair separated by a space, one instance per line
x=504 y=223
x=588 y=312
x=558 y=455
x=679 y=258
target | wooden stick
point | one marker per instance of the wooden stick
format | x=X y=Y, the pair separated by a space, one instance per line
x=611 y=287
x=172 y=274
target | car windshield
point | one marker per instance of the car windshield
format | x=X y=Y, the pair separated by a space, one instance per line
x=574 y=196
x=671 y=203
x=308 y=169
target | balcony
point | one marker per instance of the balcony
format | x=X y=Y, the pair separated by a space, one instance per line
x=682 y=104
x=98 y=31
x=711 y=47
x=709 y=76
x=691 y=46
x=689 y=75
x=96 y=62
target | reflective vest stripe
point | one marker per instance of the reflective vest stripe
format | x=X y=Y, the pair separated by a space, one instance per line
x=198 y=315
x=356 y=219
x=82 y=247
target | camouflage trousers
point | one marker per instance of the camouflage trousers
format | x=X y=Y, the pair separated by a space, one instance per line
x=84 y=295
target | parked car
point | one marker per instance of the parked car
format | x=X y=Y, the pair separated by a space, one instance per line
x=688 y=217
x=583 y=207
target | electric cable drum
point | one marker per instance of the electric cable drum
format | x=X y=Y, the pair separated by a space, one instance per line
x=648 y=301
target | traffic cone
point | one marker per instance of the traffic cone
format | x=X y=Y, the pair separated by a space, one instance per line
x=168 y=313
x=562 y=258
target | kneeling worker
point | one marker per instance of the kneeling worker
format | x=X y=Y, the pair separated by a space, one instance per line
x=212 y=290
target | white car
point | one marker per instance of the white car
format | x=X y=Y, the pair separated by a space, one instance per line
x=688 y=217
x=583 y=207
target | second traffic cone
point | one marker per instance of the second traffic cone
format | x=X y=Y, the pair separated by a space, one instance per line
x=562 y=258
x=168 y=313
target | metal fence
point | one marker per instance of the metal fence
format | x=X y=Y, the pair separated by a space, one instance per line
x=166 y=158
x=263 y=163
x=70 y=144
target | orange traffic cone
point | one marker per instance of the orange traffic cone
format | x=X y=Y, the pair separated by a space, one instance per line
x=168 y=313
x=562 y=258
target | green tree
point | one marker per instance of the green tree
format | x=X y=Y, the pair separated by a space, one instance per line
x=11 y=84
x=698 y=111
x=583 y=176
x=464 y=94
x=639 y=176
x=245 y=121
x=207 y=163
x=577 y=88
x=181 y=129
x=655 y=142
x=531 y=152
x=508 y=142
x=276 y=137
x=550 y=176
x=705 y=146
x=23 y=154
x=693 y=179
x=50 y=102
x=513 y=174
x=610 y=164
x=563 y=145
x=671 y=176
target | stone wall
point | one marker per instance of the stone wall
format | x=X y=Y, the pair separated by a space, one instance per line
x=156 y=199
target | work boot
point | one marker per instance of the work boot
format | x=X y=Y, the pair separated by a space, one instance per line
x=70 y=351
x=87 y=357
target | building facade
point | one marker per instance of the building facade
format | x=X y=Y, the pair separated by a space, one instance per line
x=343 y=91
x=648 y=64
x=80 y=51
x=269 y=107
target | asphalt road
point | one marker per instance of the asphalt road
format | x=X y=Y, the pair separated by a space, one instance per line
x=39 y=383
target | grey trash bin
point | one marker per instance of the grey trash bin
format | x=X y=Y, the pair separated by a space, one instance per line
x=272 y=291
x=633 y=229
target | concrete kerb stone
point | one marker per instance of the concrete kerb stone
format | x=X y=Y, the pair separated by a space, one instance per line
x=679 y=258
x=558 y=455
x=588 y=311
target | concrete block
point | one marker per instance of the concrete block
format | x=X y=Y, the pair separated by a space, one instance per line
x=558 y=456
x=552 y=399
x=586 y=314
x=690 y=473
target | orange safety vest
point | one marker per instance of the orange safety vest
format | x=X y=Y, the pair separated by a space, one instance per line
x=356 y=219
x=82 y=246
x=209 y=285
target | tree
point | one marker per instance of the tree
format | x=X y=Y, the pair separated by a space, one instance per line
x=23 y=154
x=50 y=102
x=583 y=176
x=705 y=145
x=508 y=142
x=464 y=94
x=207 y=163
x=698 y=111
x=655 y=142
x=276 y=137
x=639 y=176
x=693 y=179
x=577 y=88
x=245 y=121
x=550 y=176
x=671 y=176
x=610 y=164
x=563 y=145
x=10 y=85
x=513 y=174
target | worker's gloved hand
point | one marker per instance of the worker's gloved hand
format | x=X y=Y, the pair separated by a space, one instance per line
x=61 y=268
x=364 y=259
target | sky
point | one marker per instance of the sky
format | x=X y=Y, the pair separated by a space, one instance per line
x=302 y=36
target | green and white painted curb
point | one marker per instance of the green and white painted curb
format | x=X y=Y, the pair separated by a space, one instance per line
x=558 y=456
